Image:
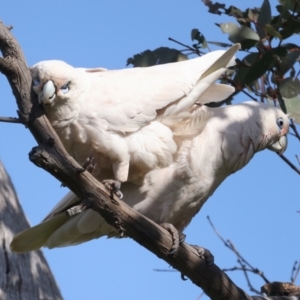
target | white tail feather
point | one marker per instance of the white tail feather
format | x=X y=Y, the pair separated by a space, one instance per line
x=35 y=237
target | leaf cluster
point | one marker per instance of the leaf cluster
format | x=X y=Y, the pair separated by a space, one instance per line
x=269 y=70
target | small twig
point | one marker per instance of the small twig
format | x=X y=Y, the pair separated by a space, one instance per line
x=295 y=8
x=247 y=279
x=255 y=271
x=230 y=245
x=297 y=75
x=289 y=163
x=295 y=271
x=246 y=93
x=293 y=126
x=216 y=232
x=241 y=260
x=200 y=296
x=10 y=120
x=263 y=90
x=164 y=270
x=194 y=50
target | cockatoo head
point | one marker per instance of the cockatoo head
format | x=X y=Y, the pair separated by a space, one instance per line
x=55 y=81
x=248 y=128
x=273 y=125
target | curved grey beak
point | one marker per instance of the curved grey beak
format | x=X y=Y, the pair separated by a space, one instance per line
x=47 y=95
x=279 y=146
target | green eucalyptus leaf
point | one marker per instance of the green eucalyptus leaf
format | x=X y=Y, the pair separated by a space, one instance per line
x=198 y=36
x=286 y=32
x=158 y=56
x=279 y=8
x=284 y=12
x=293 y=5
x=243 y=68
x=238 y=33
x=282 y=103
x=264 y=18
x=248 y=44
x=260 y=67
x=294 y=23
x=253 y=14
x=289 y=87
x=272 y=31
x=234 y=11
x=214 y=8
x=293 y=108
x=290 y=46
x=288 y=61
x=280 y=51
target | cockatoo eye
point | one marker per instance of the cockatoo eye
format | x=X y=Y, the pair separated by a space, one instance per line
x=280 y=123
x=36 y=81
x=65 y=88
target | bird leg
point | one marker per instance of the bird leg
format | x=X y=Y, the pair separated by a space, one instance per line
x=204 y=254
x=114 y=187
x=177 y=238
x=89 y=164
x=75 y=210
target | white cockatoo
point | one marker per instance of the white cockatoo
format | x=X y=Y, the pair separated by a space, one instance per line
x=128 y=120
x=174 y=194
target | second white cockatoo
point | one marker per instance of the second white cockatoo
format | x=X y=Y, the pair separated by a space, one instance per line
x=174 y=194
x=128 y=120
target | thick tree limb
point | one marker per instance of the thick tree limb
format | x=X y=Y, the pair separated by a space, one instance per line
x=51 y=156
x=25 y=276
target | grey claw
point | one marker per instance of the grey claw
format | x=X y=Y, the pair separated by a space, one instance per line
x=204 y=254
x=119 y=194
x=182 y=237
x=89 y=164
x=177 y=237
x=183 y=277
x=114 y=187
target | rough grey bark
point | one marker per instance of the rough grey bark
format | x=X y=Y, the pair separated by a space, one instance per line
x=25 y=276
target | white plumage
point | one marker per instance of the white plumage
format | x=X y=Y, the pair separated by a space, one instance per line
x=129 y=119
x=174 y=194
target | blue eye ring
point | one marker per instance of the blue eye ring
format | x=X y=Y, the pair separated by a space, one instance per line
x=36 y=81
x=65 y=88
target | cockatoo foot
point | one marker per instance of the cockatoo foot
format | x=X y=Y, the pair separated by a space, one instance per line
x=204 y=254
x=114 y=187
x=177 y=237
x=89 y=164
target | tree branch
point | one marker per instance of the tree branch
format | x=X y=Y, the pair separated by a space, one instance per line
x=289 y=163
x=10 y=120
x=51 y=156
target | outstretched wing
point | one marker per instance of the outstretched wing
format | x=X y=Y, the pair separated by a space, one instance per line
x=130 y=98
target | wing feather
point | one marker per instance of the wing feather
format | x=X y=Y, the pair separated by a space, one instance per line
x=136 y=96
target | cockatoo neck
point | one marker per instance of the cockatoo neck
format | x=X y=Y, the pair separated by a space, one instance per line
x=62 y=115
x=227 y=144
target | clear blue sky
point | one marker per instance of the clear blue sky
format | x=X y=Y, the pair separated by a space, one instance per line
x=255 y=208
